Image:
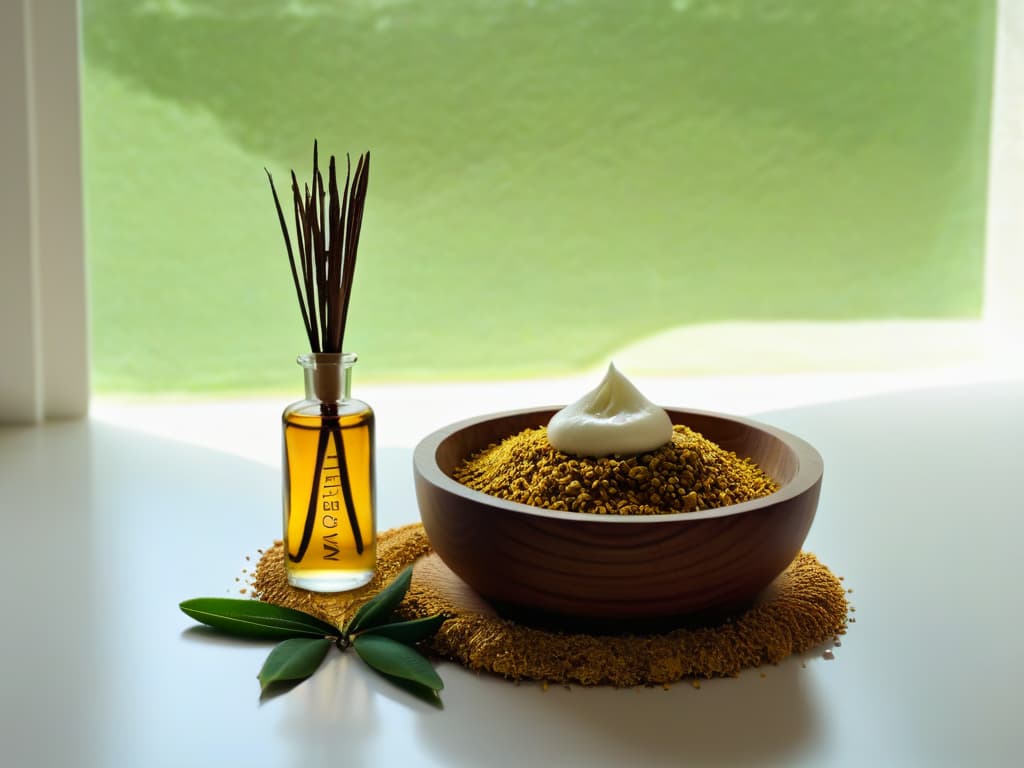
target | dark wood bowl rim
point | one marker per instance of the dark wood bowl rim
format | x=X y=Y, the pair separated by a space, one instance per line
x=810 y=468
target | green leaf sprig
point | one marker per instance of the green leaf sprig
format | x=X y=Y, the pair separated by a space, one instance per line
x=382 y=642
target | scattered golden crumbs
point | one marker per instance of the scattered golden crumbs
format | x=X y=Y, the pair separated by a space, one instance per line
x=807 y=609
x=396 y=549
x=688 y=474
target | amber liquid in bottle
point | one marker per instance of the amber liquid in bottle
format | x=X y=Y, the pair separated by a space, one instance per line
x=329 y=522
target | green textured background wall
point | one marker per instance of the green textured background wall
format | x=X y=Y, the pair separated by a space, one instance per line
x=551 y=180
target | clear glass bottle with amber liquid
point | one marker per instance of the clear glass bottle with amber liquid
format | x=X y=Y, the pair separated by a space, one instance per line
x=329 y=480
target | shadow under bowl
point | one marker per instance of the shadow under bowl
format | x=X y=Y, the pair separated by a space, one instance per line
x=617 y=567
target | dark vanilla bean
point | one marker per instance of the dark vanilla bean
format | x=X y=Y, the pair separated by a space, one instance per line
x=327 y=227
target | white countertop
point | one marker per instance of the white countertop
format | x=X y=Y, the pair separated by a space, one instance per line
x=108 y=529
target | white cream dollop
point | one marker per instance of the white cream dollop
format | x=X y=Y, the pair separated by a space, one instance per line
x=614 y=418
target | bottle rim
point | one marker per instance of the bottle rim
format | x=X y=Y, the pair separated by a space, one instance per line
x=325 y=359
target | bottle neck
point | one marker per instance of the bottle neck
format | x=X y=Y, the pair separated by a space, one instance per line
x=328 y=376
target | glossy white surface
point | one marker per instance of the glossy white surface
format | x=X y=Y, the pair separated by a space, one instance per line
x=108 y=529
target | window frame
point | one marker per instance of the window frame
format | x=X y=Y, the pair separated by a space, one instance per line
x=1003 y=302
x=44 y=338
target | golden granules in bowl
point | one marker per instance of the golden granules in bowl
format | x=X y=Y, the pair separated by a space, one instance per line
x=688 y=474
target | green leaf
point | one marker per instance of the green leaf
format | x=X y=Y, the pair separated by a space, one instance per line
x=254 y=618
x=397 y=660
x=408 y=632
x=294 y=659
x=378 y=610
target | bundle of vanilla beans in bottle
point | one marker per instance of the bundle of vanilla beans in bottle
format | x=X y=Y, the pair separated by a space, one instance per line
x=327 y=241
x=327 y=223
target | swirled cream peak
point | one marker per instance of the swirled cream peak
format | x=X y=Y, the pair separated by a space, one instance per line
x=614 y=418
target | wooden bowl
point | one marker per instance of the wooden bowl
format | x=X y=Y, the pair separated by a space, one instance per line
x=617 y=567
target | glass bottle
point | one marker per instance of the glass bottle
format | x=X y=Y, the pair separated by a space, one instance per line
x=330 y=535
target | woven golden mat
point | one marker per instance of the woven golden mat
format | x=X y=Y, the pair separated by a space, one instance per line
x=804 y=608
